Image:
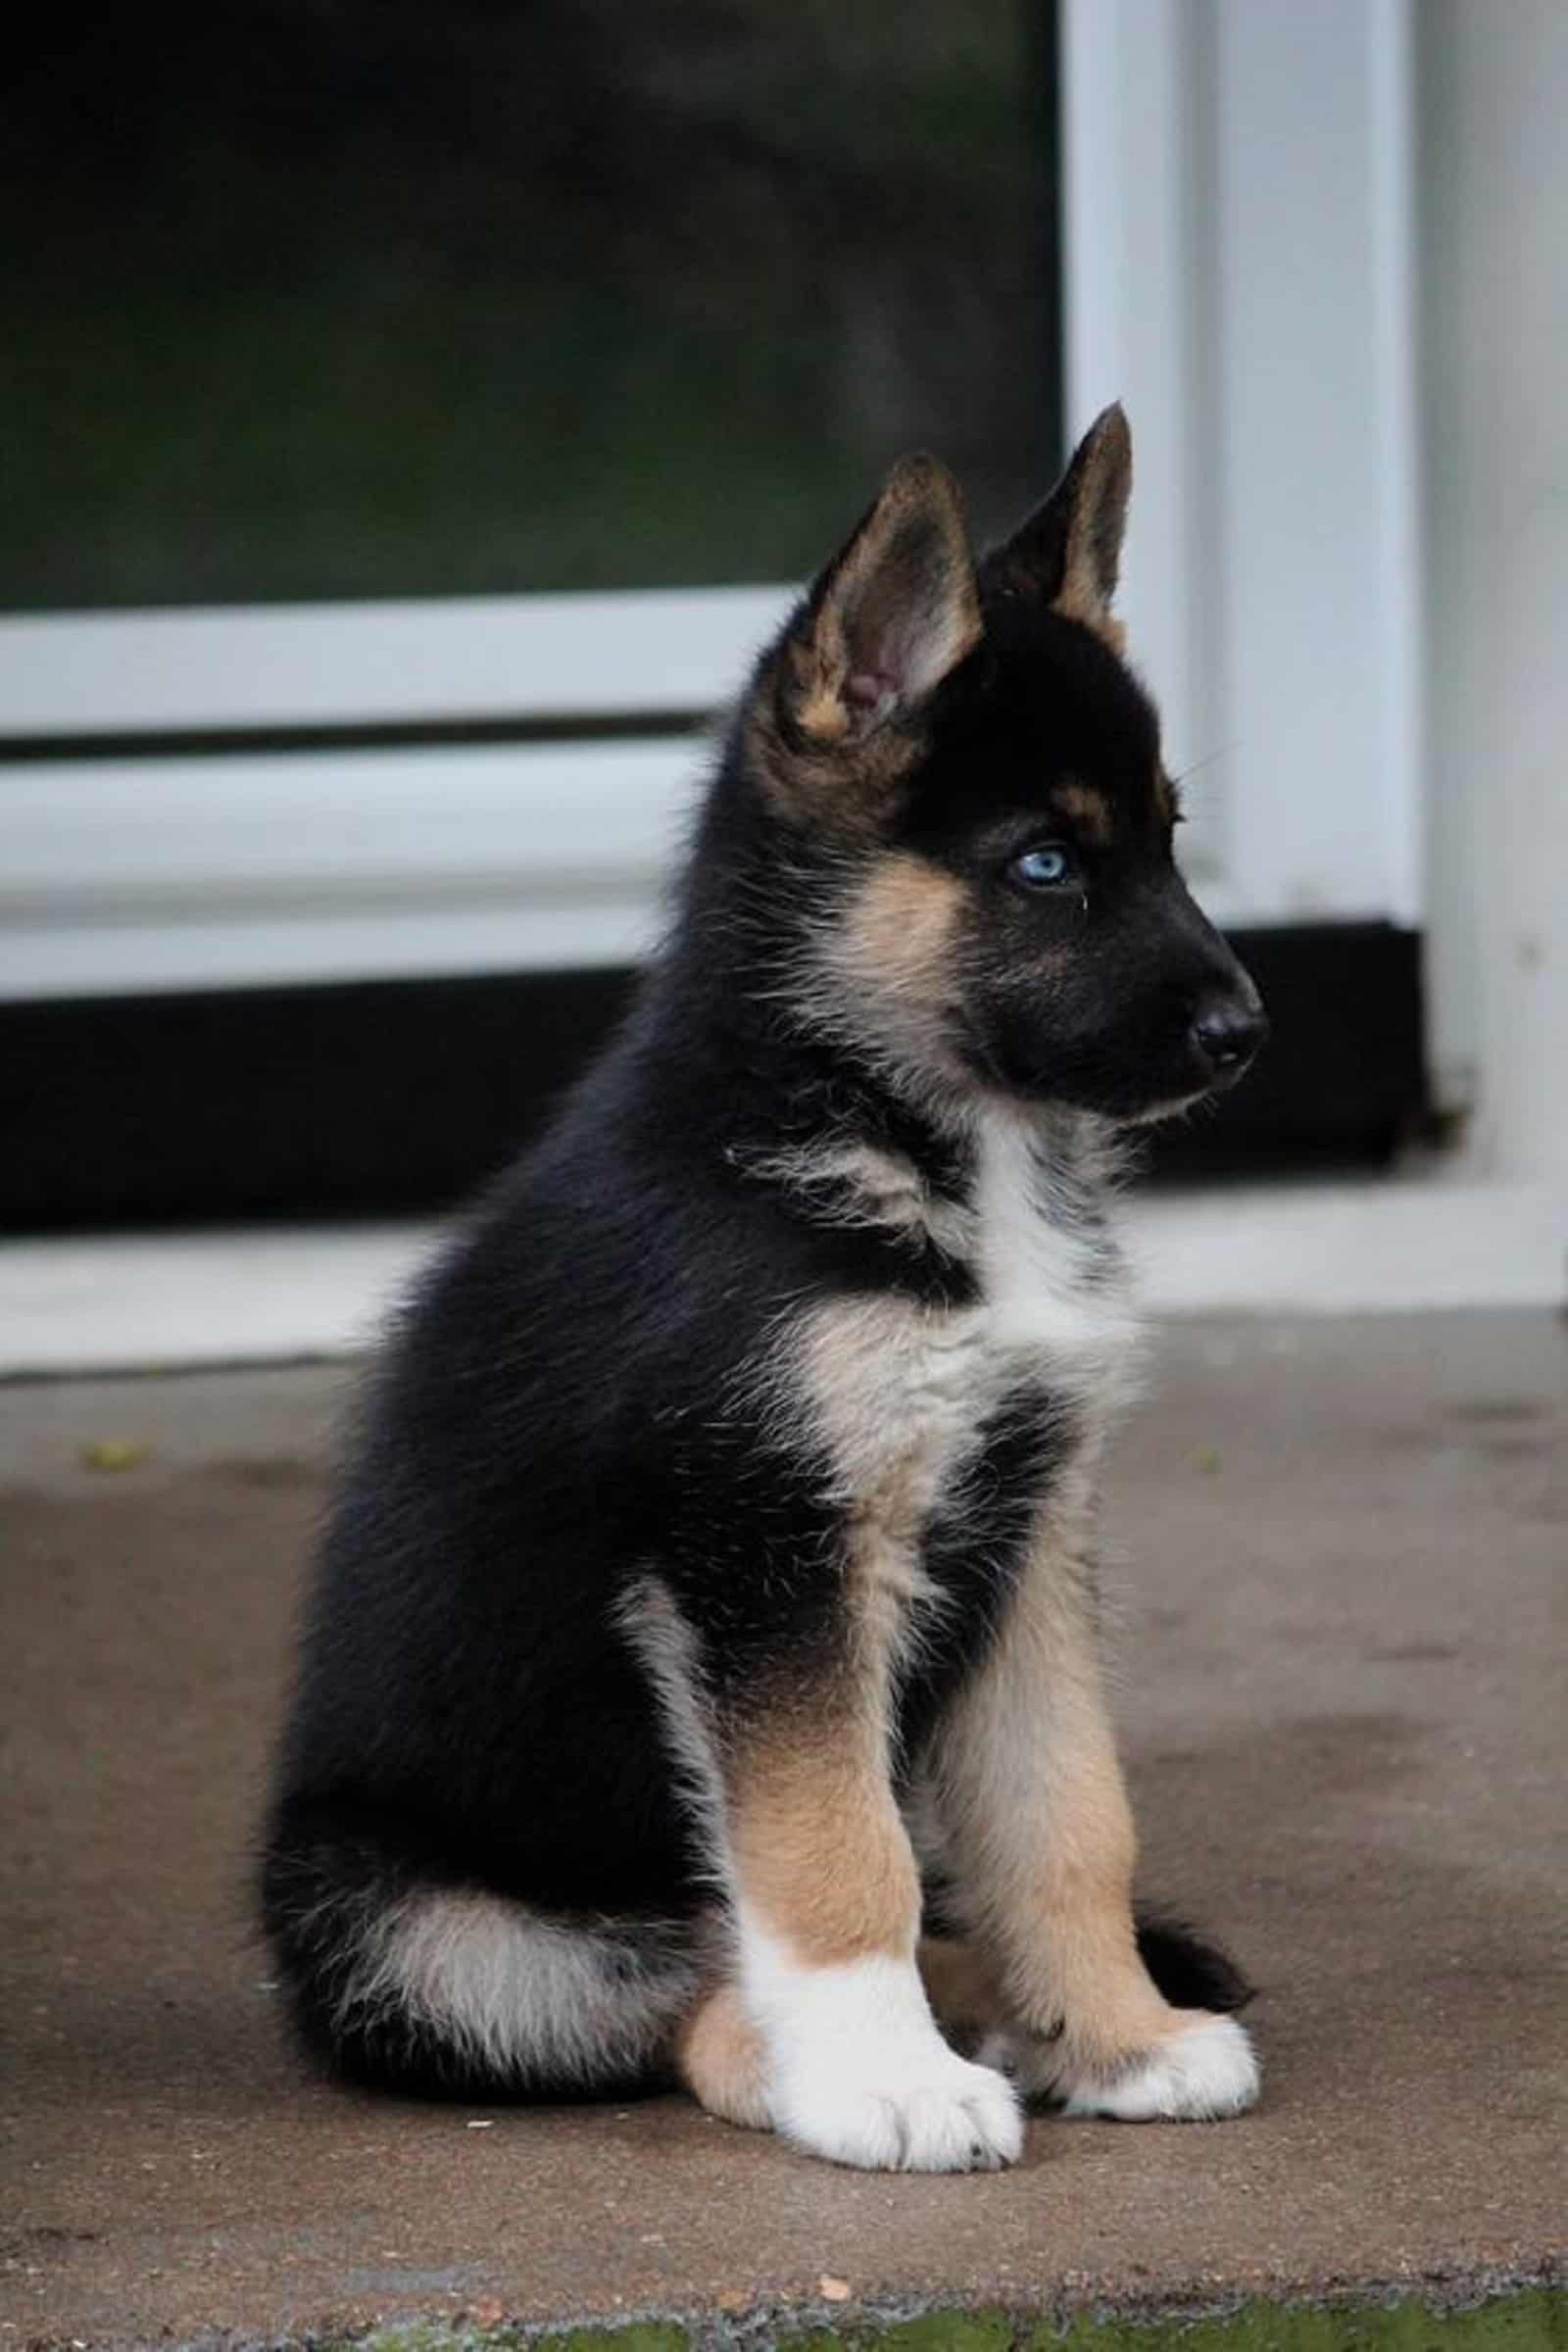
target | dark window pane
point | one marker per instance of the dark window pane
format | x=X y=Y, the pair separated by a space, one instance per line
x=371 y=297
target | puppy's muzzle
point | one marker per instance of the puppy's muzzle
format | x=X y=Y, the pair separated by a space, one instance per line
x=1227 y=1032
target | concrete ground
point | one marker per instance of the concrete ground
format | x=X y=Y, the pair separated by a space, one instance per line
x=1344 y=1548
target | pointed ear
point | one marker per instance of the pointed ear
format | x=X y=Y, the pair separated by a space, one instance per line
x=891 y=615
x=1068 y=553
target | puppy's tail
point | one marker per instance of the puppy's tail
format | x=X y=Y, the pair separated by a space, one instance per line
x=1190 y=1971
x=399 y=1982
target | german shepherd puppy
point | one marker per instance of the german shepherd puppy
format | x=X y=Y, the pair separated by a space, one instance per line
x=710 y=1604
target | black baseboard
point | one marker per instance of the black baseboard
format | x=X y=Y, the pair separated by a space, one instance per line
x=396 y=1097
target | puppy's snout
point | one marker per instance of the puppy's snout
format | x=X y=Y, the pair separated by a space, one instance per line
x=1228 y=1028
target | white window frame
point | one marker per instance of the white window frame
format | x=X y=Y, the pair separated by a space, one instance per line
x=1271 y=590
x=253 y=867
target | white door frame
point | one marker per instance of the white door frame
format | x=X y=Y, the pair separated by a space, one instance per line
x=1239 y=243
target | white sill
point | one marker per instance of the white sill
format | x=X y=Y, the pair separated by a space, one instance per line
x=161 y=1302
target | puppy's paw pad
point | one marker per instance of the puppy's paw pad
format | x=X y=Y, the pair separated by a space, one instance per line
x=1203 y=2070
x=948 y=2117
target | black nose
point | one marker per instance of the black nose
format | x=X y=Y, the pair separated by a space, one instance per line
x=1228 y=1031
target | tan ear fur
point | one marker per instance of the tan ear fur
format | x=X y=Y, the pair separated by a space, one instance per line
x=889 y=619
x=1068 y=553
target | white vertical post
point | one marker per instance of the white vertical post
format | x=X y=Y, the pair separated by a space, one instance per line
x=1237 y=240
x=1320 y=606
x=1134 y=325
x=1494 y=179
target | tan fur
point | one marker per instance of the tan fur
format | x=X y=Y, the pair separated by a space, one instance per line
x=889 y=1388
x=894 y=1392
x=1028 y=1786
x=883 y=972
x=1101 y=478
x=901 y=925
x=839 y=789
x=1086 y=809
x=821 y=712
x=1070 y=550
x=819 y=1852
x=819 y=1848
x=797 y=1801
x=719 y=2056
x=964 y=1985
x=900 y=608
x=911 y=557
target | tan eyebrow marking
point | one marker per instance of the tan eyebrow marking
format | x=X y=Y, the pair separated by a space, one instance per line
x=1087 y=808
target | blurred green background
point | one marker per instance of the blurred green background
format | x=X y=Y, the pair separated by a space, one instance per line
x=350 y=297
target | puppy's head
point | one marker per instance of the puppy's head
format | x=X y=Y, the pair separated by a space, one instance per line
x=964 y=783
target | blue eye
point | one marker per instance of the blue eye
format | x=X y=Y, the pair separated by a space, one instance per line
x=1045 y=867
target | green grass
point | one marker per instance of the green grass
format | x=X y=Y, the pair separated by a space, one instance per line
x=1531 y=2319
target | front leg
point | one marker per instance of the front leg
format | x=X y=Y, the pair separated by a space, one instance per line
x=828 y=1910
x=817 y=2023
x=1039 y=1834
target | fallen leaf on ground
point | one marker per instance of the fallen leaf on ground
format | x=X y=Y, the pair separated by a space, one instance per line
x=116 y=1454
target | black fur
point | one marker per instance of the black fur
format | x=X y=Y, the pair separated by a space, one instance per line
x=572 y=1393
x=1189 y=1970
x=972 y=1544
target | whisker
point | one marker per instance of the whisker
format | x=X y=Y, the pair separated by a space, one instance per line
x=1221 y=752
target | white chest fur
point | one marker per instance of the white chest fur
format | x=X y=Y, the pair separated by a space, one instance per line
x=1053 y=1283
x=900 y=1390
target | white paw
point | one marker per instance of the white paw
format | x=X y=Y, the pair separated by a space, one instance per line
x=935 y=2114
x=859 y=2073
x=1200 y=2072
